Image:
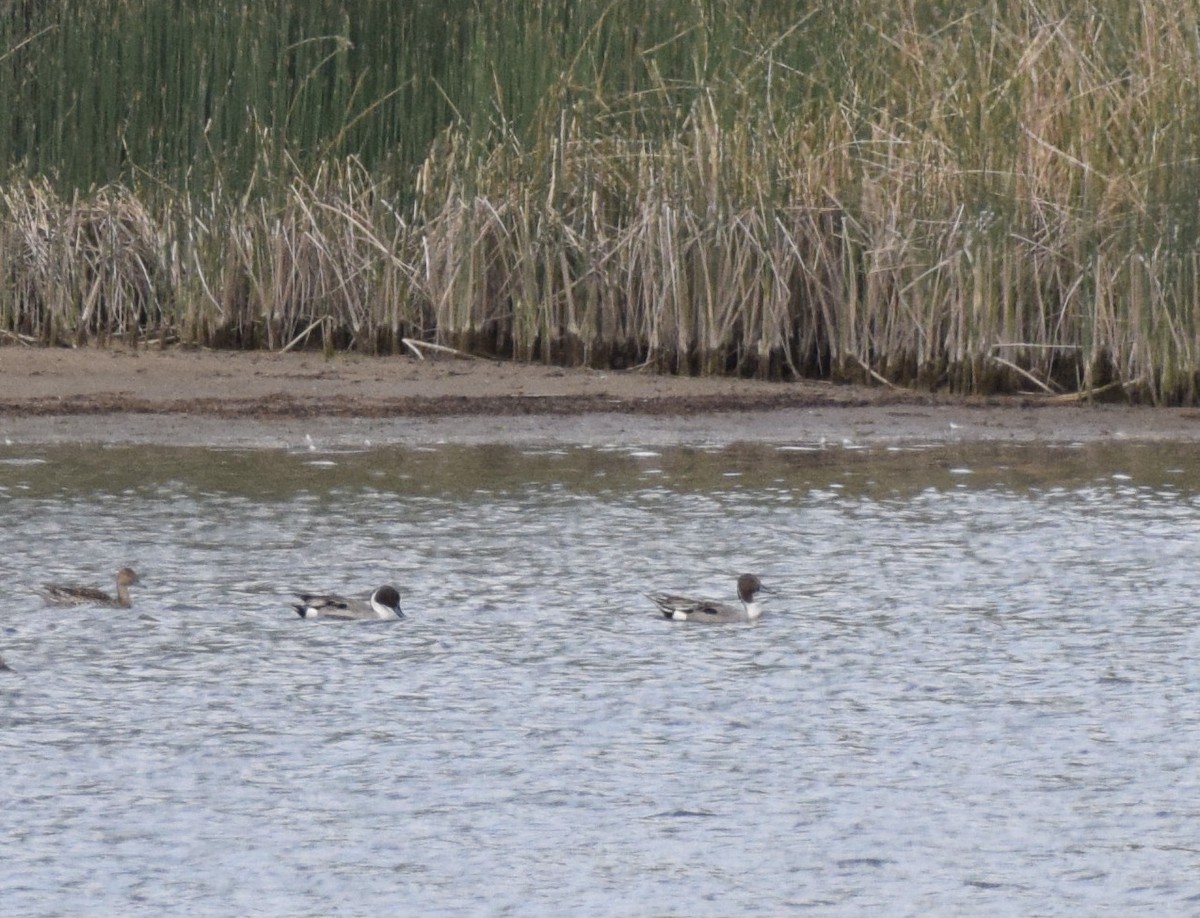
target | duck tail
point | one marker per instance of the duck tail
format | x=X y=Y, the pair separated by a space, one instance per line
x=665 y=607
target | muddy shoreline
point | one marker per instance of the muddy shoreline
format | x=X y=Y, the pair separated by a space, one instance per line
x=259 y=400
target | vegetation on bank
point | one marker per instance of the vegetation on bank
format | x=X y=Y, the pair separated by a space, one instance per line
x=978 y=197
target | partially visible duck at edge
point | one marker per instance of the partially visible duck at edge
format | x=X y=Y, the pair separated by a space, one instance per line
x=87 y=596
x=687 y=609
x=383 y=604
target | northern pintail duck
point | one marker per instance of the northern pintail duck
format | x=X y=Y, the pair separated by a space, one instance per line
x=686 y=609
x=383 y=604
x=79 y=596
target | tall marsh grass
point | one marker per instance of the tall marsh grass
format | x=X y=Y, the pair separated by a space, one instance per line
x=977 y=197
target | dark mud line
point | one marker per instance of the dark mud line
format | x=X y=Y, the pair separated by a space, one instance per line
x=284 y=406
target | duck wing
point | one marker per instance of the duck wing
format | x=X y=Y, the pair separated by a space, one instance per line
x=330 y=605
x=73 y=595
x=688 y=609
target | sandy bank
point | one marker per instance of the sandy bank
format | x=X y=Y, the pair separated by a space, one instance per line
x=234 y=399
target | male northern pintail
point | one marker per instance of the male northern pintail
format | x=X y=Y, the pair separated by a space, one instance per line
x=686 y=609
x=384 y=603
x=80 y=596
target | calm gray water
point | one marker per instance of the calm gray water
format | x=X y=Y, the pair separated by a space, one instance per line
x=974 y=692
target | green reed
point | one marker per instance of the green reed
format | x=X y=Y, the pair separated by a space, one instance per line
x=925 y=194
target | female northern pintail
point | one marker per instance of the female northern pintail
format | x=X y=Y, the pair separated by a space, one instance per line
x=79 y=596
x=384 y=603
x=686 y=609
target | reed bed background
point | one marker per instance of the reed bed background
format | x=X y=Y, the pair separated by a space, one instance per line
x=918 y=192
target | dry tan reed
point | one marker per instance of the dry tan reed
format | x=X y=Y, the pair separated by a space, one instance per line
x=1005 y=200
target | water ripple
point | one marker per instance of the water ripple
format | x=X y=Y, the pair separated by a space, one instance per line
x=972 y=693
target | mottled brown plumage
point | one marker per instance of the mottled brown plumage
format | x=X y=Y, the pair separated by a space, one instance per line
x=57 y=595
